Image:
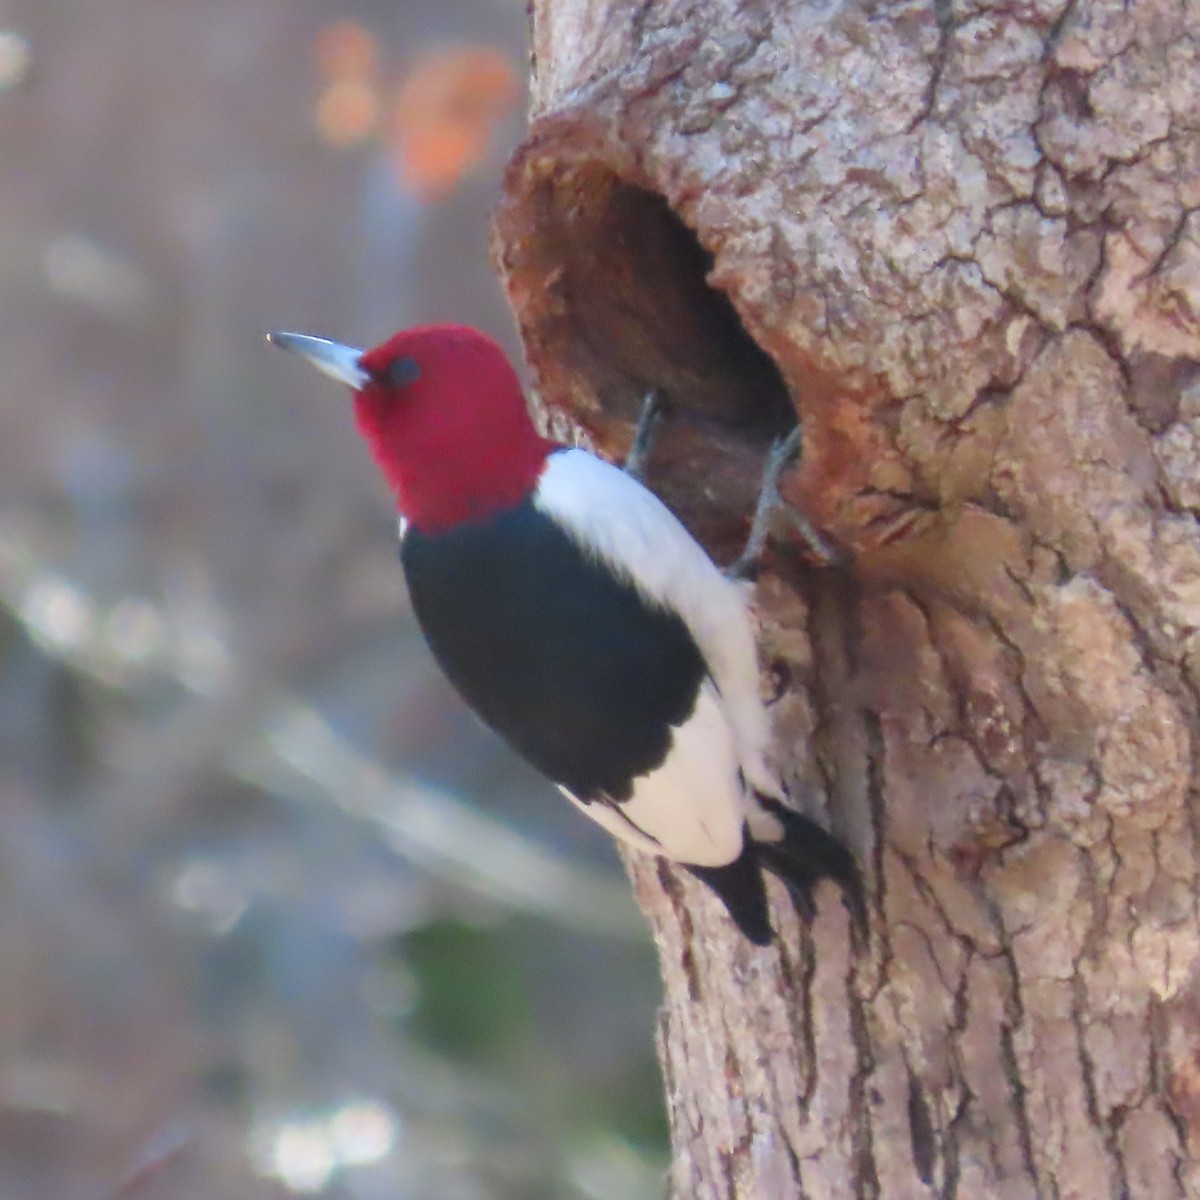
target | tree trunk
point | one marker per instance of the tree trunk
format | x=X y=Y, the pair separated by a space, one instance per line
x=963 y=243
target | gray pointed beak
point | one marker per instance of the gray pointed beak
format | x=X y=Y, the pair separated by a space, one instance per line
x=330 y=358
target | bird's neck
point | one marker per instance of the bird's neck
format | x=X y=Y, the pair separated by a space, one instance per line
x=444 y=477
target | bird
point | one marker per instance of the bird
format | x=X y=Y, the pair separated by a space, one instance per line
x=577 y=616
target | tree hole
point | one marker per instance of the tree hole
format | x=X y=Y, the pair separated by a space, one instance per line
x=630 y=306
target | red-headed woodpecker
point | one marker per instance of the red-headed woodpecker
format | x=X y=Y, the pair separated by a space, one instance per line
x=575 y=614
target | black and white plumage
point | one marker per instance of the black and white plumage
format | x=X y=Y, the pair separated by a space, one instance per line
x=578 y=617
x=614 y=656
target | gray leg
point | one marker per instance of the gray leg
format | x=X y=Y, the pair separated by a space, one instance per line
x=769 y=500
x=643 y=435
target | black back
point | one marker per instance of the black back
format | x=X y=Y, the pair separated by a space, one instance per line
x=570 y=665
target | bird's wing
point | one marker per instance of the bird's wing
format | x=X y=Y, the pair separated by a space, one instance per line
x=689 y=807
x=628 y=528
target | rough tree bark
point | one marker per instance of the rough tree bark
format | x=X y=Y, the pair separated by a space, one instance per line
x=962 y=240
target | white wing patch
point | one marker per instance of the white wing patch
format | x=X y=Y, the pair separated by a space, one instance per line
x=689 y=809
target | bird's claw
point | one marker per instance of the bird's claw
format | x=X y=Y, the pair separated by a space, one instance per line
x=643 y=434
x=782 y=451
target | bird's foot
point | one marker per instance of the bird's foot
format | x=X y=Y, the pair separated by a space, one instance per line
x=643 y=434
x=770 y=502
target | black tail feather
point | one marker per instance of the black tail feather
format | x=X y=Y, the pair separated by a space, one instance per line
x=804 y=856
x=739 y=885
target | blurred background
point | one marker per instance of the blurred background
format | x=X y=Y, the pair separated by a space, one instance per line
x=277 y=917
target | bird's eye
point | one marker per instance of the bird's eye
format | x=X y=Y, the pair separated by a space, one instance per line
x=402 y=371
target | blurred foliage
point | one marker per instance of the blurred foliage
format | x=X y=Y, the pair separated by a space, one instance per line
x=276 y=916
x=471 y=1000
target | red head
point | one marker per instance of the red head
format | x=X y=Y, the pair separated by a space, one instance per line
x=442 y=411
